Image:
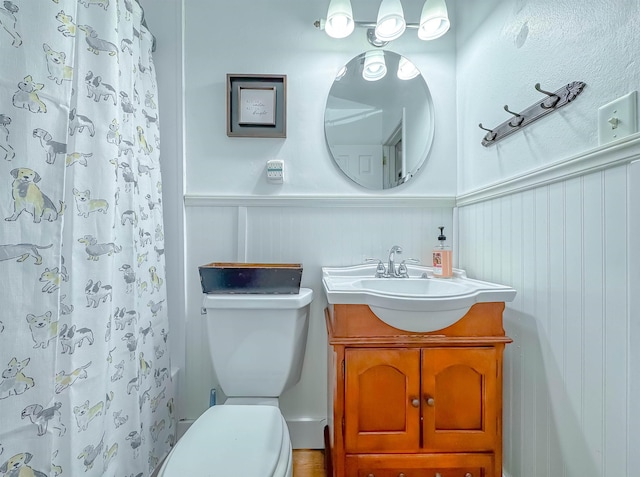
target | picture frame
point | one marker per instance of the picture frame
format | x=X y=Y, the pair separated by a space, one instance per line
x=257 y=106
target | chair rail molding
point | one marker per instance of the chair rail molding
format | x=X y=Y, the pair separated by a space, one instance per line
x=202 y=200
x=602 y=157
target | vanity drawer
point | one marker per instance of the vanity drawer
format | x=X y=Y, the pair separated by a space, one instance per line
x=422 y=465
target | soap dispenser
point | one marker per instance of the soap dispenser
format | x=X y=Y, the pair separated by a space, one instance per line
x=442 y=267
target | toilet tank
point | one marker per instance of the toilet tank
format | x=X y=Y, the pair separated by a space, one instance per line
x=257 y=342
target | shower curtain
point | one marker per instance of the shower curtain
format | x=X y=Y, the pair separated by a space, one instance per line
x=85 y=385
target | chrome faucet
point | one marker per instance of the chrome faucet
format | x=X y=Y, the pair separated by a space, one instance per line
x=391 y=267
x=391 y=270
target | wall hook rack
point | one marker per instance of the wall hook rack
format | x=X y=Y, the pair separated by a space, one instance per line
x=552 y=102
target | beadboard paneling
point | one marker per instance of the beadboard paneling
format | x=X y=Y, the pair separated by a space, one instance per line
x=567 y=248
x=634 y=325
x=310 y=232
x=210 y=235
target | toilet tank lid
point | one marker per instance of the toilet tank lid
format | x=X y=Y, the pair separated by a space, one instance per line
x=259 y=301
x=220 y=440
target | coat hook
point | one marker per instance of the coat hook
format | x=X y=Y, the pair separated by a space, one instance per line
x=548 y=103
x=551 y=101
x=490 y=136
x=517 y=121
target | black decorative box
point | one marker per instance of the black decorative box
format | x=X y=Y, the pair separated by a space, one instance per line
x=251 y=278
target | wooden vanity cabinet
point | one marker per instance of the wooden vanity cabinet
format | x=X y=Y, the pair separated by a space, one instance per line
x=406 y=404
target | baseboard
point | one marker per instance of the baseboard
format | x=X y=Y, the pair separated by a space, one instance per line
x=305 y=433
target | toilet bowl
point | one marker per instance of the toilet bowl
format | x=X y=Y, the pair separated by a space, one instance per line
x=257 y=345
x=233 y=440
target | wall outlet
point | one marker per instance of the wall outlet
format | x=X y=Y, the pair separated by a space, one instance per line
x=618 y=119
x=275 y=171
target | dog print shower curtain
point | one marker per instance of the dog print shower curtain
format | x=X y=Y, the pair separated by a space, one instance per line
x=85 y=385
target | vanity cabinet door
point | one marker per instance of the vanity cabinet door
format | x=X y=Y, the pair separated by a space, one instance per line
x=382 y=400
x=461 y=399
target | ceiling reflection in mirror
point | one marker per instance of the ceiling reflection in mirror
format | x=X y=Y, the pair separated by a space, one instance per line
x=378 y=120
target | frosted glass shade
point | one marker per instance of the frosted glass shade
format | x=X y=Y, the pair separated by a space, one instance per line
x=339 y=19
x=375 y=67
x=390 y=24
x=434 y=21
x=406 y=69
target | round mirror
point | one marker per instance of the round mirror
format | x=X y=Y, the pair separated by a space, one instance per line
x=379 y=120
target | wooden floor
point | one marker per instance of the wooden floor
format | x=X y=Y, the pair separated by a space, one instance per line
x=308 y=463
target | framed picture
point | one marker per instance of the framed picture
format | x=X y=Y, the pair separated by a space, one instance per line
x=256 y=105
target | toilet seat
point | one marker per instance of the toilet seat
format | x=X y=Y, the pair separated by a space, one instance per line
x=246 y=440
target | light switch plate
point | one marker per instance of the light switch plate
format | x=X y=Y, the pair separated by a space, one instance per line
x=618 y=119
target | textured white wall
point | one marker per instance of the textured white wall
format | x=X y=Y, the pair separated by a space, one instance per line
x=505 y=47
x=278 y=37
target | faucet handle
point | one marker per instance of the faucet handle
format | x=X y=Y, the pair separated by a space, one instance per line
x=380 y=270
x=410 y=260
x=402 y=269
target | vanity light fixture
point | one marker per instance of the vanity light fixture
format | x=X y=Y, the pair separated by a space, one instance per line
x=434 y=21
x=339 y=22
x=374 y=67
x=390 y=24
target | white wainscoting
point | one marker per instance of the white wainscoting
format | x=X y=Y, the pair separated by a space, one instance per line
x=572 y=374
x=314 y=231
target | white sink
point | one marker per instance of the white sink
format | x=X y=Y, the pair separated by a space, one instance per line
x=416 y=303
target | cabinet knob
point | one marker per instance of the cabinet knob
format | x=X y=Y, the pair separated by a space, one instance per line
x=415 y=402
x=438 y=474
x=371 y=475
x=431 y=402
x=468 y=474
x=401 y=474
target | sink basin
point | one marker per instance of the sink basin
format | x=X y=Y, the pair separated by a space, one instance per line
x=417 y=303
x=412 y=287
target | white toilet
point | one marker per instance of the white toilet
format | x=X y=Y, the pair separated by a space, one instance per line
x=257 y=345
